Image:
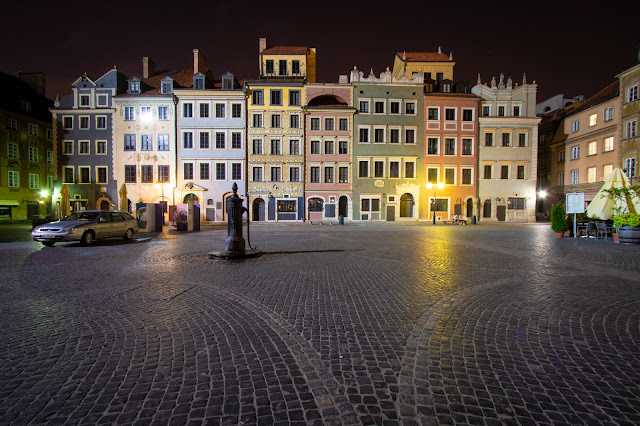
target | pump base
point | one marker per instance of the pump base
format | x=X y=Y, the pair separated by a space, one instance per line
x=234 y=255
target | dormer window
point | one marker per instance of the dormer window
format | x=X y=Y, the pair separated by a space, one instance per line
x=167 y=86
x=134 y=86
x=198 y=81
x=227 y=82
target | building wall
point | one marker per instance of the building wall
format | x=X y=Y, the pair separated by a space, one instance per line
x=630 y=119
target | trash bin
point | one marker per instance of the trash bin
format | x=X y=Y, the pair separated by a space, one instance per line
x=340 y=220
x=473 y=220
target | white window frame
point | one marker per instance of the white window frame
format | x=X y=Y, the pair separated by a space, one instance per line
x=12 y=151
x=106 y=147
x=427 y=142
x=399 y=102
x=101 y=96
x=13 y=179
x=592 y=148
x=632 y=93
x=363 y=102
x=403 y=135
x=404 y=169
x=575 y=177
x=609 y=144
x=400 y=134
x=384 y=134
x=415 y=108
x=34 y=181
x=437 y=169
x=462 y=169
x=368 y=161
x=608 y=114
x=368 y=129
x=631 y=129
x=82 y=143
x=384 y=106
x=575 y=126
x=575 y=152
x=437 y=113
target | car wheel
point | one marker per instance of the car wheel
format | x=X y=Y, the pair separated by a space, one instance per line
x=87 y=238
x=48 y=243
x=128 y=235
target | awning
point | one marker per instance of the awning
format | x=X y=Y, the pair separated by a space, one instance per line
x=9 y=203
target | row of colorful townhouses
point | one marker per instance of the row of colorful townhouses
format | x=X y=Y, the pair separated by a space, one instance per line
x=405 y=145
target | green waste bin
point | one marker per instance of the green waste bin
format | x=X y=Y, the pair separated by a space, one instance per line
x=340 y=220
x=473 y=220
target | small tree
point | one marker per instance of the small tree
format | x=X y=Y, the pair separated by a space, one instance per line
x=558 y=218
x=623 y=198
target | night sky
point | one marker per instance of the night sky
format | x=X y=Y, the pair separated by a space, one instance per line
x=571 y=49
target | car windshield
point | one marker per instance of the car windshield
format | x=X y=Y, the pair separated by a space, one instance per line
x=86 y=216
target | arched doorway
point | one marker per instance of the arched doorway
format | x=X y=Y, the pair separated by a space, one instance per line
x=258 y=210
x=191 y=198
x=104 y=205
x=343 y=206
x=469 y=208
x=406 y=205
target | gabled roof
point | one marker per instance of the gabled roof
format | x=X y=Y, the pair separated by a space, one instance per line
x=609 y=92
x=285 y=50
x=424 y=56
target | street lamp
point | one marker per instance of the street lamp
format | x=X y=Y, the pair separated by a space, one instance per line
x=433 y=201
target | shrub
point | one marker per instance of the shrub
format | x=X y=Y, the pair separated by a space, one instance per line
x=631 y=219
x=558 y=218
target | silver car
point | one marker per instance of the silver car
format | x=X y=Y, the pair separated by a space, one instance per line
x=86 y=226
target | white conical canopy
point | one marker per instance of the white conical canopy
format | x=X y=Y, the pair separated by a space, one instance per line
x=604 y=207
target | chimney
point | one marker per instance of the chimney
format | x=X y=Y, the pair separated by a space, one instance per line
x=262 y=45
x=148 y=67
x=199 y=62
x=35 y=80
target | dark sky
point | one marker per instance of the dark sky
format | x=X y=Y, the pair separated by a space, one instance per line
x=566 y=47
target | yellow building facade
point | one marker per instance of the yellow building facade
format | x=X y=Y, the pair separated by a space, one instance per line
x=435 y=65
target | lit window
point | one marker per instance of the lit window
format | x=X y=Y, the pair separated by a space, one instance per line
x=593 y=120
x=591 y=174
x=592 y=148
x=608 y=144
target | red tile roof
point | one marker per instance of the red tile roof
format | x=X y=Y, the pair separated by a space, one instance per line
x=285 y=50
x=609 y=92
x=424 y=56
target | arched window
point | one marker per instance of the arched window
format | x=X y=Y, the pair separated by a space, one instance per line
x=315 y=204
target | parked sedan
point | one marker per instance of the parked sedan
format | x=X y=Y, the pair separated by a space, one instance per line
x=86 y=226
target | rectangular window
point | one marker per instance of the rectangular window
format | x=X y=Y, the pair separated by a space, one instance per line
x=520 y=172
x=204 y=171
x=409 y=170
x=344 y=124
x=343 y=147
x=276 y=147
x=129 y=113
x=574 y=177
x=130 y=174
x=315 y=147
x=486 y=110
x=68 y=175
x=364 y=107
x=450 y=114
x=343 y=174
x=188 y=171
x=163 y=173
x=488 y=171
x=516 y=111
x=163 y=113
x=146 y=143
x=515 y=203
x=204 y=110
x=561 y=179
x=328 y=124
x=378 y=169
x=294 y=147
x=220 y=110
x=378 y=135
x=34 y=181
x=257 y=120
x=50 y=153
x=276 y=97
x=467 y=146
x=410 y=108
x=608 y=114
x=101 y=174
x=575 y=126
x=275 y=174
x=257 y=174
x=187 y=140
x=632 y=93
x=504 y=172
x=146 y=174
x=257 y=97
x=432 y=175
x=221 y=171
x=275 y=120
x=282 y=67
x=501 y=111
x=630 y=129
x=295 y=67
x=236 y=140
x=394 y=169
x=101 y=122
x=593 y=120
x=328 y=175
x=630 y=167
x=33 y=154
x=236 y=110
x=591 y=175
x=204 y=140
x=363 y=134
x=129 y=142
x=269 y=68
x=434 y=113
x=84 y=147
x=314 y=174
x=433 y=145
x=488 y=139
x=236 y=171
x=466 y=176
x=294 y=174
x=163 y=142
x=606 y=170
x=575 y=152
x=608 y=144
x=506 y=139
x=409 y=136
x=220 y=141
x=84 y=100
x=68 y=147
x=294 y=121
x=394 y=135
x=561 y=156
x=315 y=123
x=187 y=110
x=363 y=168
x=522 y=140
x=378 y=107
x=328 y=147
x=449 y=176
x=449 y=146
x=394 y=107
x=257 y=146
x=467 y=115
x=294 y=98
x=592 y=148
x=84 y=123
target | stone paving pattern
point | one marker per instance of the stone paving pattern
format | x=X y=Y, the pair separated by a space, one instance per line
x=355 y=324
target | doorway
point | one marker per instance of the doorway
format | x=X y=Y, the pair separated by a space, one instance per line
x=258 y=210
x=343 y=208
x=406 y=205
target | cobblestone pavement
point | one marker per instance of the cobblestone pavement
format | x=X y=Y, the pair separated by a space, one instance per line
x=354 y=324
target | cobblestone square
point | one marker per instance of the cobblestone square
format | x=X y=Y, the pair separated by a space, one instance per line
x=355 y=324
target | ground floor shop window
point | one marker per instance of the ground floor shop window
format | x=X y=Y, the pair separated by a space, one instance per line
x=516 y=203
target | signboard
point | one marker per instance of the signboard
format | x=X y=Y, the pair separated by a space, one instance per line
x=575 y=202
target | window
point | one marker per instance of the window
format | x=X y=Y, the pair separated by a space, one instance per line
x=294 y=98
x=501 y=111
x=34 y=181
x=275 y=120
x=394 y=169
x=314 y=174
x=220 y=110
x=328 y=124
x=275 y=174
x=433 y=145
x=12 y=150
x=467 y=146
x=575 y=126
x=363 y=135
x=146 y=143
x=204 y=171
x=607 y=169
x=187 y=140
x=394 y=135
x=364 y=107
x=315 y=124
x=294 y=121
x=343 y=174
x=101 y=122
x=574 y=177
x=506 y=139
x=198 y=81
x=394 y=107
x=282 y=67
x=409 y=170
x=236 y=140
x=449 y=146
x=130 y=174
x=101 y=174
x=84 y=100
x=129 y=113
x=378 y=107
x=295 y=67
x=410 y=108
x=328 y=175
x=204 y=110
x=630 y=167
x=328 y=147
x=632 y=93
x=257 y=97
x=50 y=154
x=466 y=176
x=14 y=178
x=516 y=111
x=630 y=129
x=163 y=113
x=221 y=171
x=315 y=147
x=33 y=154
x=188 y=171
x=410 y=136
x=68 y=147
x=163 y=142
x=257 y=120
x=220 y=140
x=236 y=110
x=591 y=174
x=269 y=68
x=363 y=168
x=276 y=97
x=204 y=140
x=256 y=174
x=561 y=156
x=378 y=135
x=608 y=144
x=343 y=147
x=467 y=115
x=12 y=123
x=433 y=113
x=315 y=205
x=561 y=179
x=294 y=174
x=378 y=169
x=257 y=146
x=146 y=174
x=593 y=120
x=449 y=176
x=592 y=148
x=504 y=172
x=432 y=175
x=450 y=114
x=187 y=110
x=83 y=147
x=488 y=171
x=515 y=203
x=129 y=142
x=134 y=86
x=486 y=110
x=84 y=123
x=488 y=139
x=608 y=114
x=522 y=140
x=520 y=172
x=575 y=152
x=441 y=205
x=236 y=171
x=344 y=124
x=276 y=147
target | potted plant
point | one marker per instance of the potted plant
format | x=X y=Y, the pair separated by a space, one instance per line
x=558 y=220
x=628 y=227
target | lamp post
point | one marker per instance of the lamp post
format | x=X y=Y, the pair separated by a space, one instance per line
x=433 y=201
